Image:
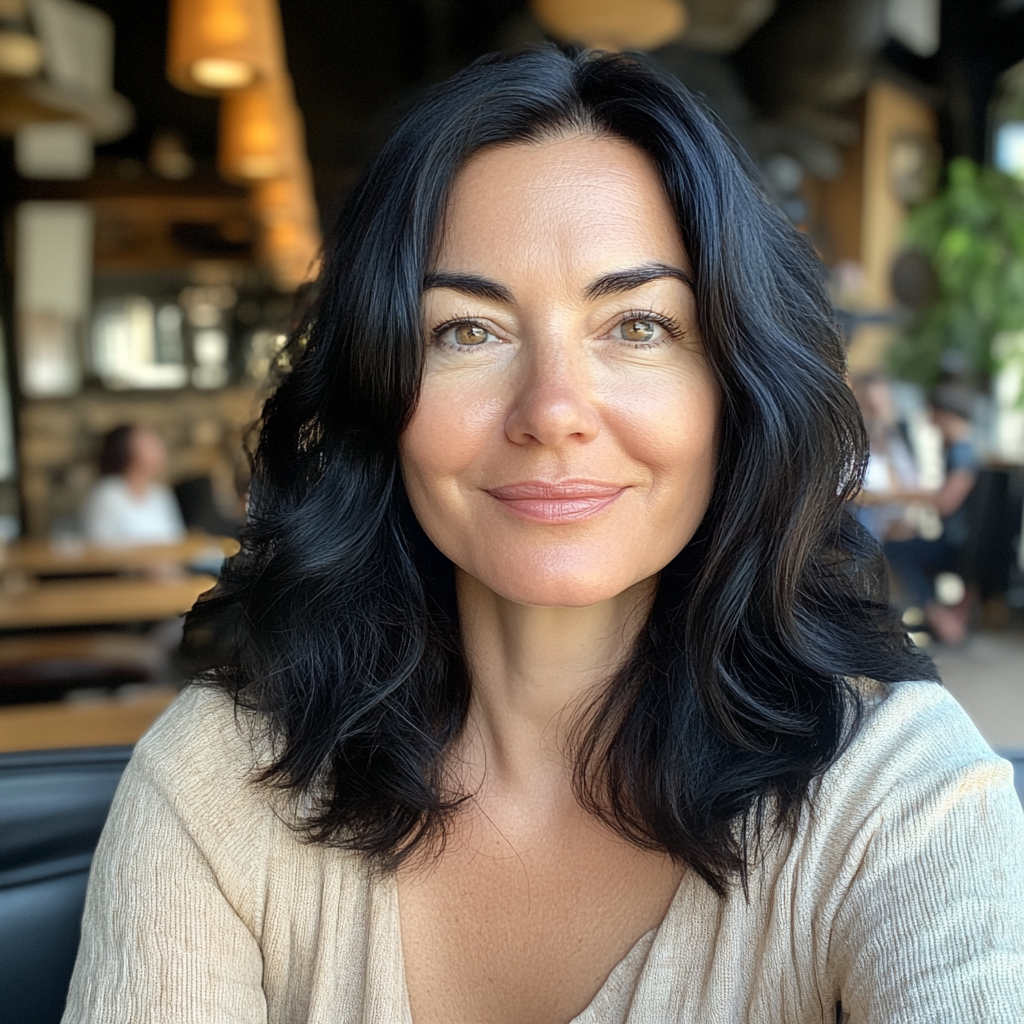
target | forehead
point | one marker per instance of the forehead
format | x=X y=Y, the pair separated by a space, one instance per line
x=576 y=204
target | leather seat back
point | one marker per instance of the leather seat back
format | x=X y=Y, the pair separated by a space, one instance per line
x=53 y=804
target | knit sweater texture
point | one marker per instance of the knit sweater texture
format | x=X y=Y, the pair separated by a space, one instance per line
x=900 y=895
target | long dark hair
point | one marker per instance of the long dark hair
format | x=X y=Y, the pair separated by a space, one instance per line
x=738 y=693
x=116 y=450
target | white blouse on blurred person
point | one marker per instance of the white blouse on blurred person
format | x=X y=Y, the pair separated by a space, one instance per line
x=115 y=514
x=129 y=504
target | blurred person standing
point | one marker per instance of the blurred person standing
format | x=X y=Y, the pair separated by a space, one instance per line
x=130 y=503
x=917 y=561
x=891 y=468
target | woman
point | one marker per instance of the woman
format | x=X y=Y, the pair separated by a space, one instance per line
x=130 y=504
x=552 y=693
x=916 y=561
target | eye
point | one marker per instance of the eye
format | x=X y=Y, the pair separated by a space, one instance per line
x=645 y=329
x=638 y=330
x=462 y=334
x=469 y=334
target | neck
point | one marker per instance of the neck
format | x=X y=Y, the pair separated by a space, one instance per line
x=138 y=483
x=531 y=669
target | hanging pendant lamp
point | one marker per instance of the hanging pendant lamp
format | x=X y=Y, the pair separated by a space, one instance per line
x=612 y=24
x=260 y=132
x=292 y=252
x=216 y=46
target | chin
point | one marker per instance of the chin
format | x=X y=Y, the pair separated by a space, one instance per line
x=556 y=586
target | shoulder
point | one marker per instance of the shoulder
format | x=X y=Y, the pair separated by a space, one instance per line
x=200 y=759
x=915 y=851
x=107 y=489
x=913 y=735
x=162 y=493
x=202 y=719
x=961 y=456
x=917 y=773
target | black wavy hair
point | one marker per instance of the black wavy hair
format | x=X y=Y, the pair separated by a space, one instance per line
x=738 y=693
x=116 y=450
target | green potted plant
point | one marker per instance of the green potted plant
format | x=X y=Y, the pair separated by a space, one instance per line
x=972 y=235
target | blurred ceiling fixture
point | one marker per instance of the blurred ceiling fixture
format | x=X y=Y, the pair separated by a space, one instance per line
x=292 y=251
x=262 y=139
x=612 y=24
x=290 y=240
x=21 y=56
x=215 y=46
x=285 y=199
x=260 y=129
x=61 y=70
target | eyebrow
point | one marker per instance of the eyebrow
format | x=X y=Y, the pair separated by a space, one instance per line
x=633 y=277
x=607 y=284
x=469 y=284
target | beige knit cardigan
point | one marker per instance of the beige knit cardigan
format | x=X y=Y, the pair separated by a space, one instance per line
x=901 y=894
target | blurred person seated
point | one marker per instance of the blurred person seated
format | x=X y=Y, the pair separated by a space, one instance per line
x=130 y=504
x=917 y=561
x=891 y=468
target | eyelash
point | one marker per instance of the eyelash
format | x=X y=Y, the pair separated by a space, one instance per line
x=441 y=329
x=671 y=326
x=668 y=323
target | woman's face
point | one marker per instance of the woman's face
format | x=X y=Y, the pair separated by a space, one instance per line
x=148 y=453
x=563 y=446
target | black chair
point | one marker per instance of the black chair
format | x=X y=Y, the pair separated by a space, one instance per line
x=53 y=804
x=200 y=510
x=993 y=517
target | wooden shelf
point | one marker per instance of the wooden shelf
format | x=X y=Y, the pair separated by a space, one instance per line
x=91 y=602
x=103 y=722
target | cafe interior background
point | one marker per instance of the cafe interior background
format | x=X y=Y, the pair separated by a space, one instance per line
x=167 y=174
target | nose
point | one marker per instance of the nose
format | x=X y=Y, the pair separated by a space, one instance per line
x=553 y=401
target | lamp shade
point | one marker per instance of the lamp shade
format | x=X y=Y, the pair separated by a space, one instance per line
x=20 y=54
x=290 y=238
x=261 y=133
x=292 y=252
x=285 y=199
x=613 y=24
x=217 y=46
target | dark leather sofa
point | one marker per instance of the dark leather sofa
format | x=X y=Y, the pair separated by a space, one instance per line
x=52 y=807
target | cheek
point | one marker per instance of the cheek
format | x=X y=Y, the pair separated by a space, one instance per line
x=454 y=422
x=670 y=422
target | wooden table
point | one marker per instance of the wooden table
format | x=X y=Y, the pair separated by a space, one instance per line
x=95 y=723
x=56 y=558
x=92 y=602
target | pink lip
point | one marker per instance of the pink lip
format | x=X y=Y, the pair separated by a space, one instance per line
x=562 y=501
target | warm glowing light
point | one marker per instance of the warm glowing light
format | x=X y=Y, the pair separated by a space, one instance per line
x=285 y=199
x=292 y=251
x=20 y=55
x=215 y=46
x=290 y=241
x=258 y=138
x=613 y=24
x=236 y=48
x=219 y=73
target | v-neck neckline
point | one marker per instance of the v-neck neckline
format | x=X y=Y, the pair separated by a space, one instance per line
x=646 y=943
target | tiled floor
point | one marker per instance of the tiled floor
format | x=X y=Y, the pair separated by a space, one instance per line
x=987 y=677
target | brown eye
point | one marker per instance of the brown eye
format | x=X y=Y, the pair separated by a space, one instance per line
x=470 y=334
x=638 y=330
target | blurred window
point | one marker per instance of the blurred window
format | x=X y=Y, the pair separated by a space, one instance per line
x=135 y=345
x=1009 y=147
x=53 y=277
